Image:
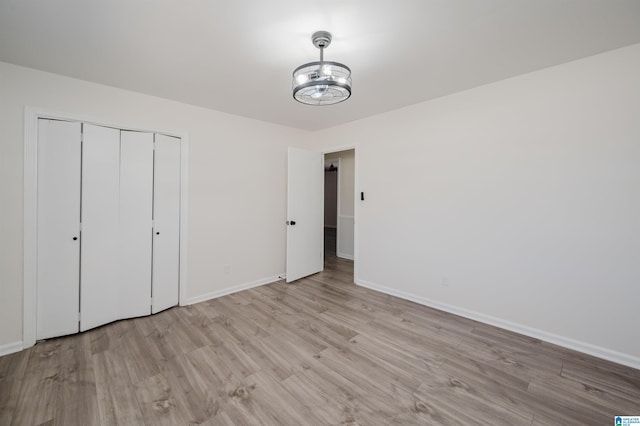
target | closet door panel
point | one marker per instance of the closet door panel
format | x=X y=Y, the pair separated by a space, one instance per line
x=99 y=274
x=58 y=224
x=166 y=215
x=135 y=219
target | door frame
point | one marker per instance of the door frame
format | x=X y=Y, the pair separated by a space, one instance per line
x=30 y=207
x=356 y=205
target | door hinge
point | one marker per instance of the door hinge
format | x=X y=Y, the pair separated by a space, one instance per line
x=80 y=227
x=79 y=316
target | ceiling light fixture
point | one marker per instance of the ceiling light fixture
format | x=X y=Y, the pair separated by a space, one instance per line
x=322 y=82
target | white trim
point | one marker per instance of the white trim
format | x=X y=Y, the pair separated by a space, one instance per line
x=356 y=213
x=340 y=148
x=321 y=212
x=338 y=192
x=184 y=216
x=10 y=348
x=586 y=348
x=235 y=289
x=30 y=229
x=338 y=252
x=30 y=205
x=66 y=116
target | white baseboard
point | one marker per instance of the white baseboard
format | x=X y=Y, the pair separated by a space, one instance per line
x=587 y=348
x=10 y=348
x=345 y=256
x=234 y=289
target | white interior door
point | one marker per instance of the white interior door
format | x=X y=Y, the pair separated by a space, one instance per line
x=305 y=213
x=58 y=231
x=116 y=225
x=166 y=216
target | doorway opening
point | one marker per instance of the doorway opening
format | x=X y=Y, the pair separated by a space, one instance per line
x=339 y=205
x=331 y=167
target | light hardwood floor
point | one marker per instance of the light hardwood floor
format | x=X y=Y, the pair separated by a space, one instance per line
x=320 y=351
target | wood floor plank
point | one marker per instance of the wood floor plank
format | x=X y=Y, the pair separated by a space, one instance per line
x=78 y=384
x=622 y=382
x=38 y=397
x=322 y=405
x=283 y=299
x=269 y=358
x=356 y=404
x=488 y=389
x=12 y=370
x=9 y=395
x=157 y=402
x=117 y=403
x=454 y=398
x=285 y=408
x=318 y=351
x=14 y=365
x=383 y=394
x=83 y=412
x=590 y=404
x=526 y=362
x=195 y=386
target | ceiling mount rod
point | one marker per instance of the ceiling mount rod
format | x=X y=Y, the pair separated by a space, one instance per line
x=321 y=39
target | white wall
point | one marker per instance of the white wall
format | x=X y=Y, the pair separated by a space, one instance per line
x=347 y=181
x=237 y=182
x=345 y=237
x=517 y=203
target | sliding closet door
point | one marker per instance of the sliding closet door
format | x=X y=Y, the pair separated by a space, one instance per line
x=166 y=215
x=116 y=225
x=58 y=228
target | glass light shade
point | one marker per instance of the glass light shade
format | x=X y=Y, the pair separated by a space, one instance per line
x=321 y=83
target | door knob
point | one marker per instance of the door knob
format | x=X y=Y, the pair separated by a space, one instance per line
x=75 y=238
x=293 y=222
x=157 y=233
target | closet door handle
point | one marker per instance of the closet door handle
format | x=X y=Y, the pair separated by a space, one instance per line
x=75 y=238
x=157 y=233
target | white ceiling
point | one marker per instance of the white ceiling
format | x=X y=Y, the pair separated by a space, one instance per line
x=237 y=55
